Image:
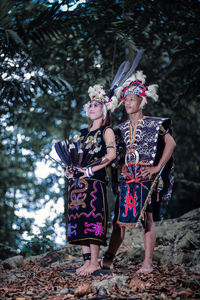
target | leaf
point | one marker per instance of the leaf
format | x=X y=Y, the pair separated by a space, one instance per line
x=127 y=247
x=138 y=285
x=185 y=294
x=16 y=38
x=83 y=289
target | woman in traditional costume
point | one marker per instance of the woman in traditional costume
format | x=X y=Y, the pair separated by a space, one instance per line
x=87 y=207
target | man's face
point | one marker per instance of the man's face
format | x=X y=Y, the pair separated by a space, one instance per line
x=132 y=104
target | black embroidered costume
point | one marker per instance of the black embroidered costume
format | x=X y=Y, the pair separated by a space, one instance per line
x=87 y=207
x=144 y=146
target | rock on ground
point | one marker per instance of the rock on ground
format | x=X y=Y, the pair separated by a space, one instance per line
x=178 y=242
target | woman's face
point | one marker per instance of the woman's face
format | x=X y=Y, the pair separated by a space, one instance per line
x=132 y=104
x=95 y=110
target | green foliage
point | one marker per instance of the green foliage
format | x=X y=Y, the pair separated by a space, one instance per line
x=6 y=251
x=21 y=80
x=41 y=242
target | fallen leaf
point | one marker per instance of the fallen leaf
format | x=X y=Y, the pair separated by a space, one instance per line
x=184 y=294
x=83 y=289
x=69 y=256
x=158 y=247
x=25 y=264
x=68 y=296
x=127 y=247
x=163 y=296
x=138 y=285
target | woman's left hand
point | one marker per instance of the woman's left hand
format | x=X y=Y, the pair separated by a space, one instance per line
x=149 y=171
x=83 y=171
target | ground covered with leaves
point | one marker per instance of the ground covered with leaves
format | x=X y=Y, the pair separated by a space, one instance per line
x=34 y=281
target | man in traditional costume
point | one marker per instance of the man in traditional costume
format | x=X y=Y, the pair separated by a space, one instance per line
x=146 y=175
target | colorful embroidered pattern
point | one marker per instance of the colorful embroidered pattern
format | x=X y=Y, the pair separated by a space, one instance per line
x=130 y=203
x=143 y=138
x=71 y=229
x=132 y=199
x=77 y=195
x=90 y=219
x=96 y=228
x=87 y=206
x=144 y=146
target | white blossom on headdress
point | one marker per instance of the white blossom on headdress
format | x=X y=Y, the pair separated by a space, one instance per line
x=97 y=93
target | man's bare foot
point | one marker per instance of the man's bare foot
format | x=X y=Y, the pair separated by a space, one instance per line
x=90 y=269
x=145 y=268
x=83 y=267
x=106 y=264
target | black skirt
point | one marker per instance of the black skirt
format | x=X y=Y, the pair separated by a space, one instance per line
x=87 y=212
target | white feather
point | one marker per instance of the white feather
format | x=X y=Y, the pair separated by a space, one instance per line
x=104 y=111
x=152 y=92
x=118 y=91
x=140 y=76
x=112 y=104
x=143 y=103
x=86 y=106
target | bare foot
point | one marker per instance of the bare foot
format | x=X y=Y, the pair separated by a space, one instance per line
x=83 y=267
x=90 y=269
x=106 y=264
x=145 y=268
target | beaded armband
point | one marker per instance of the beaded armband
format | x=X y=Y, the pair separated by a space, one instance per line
x=112 y=144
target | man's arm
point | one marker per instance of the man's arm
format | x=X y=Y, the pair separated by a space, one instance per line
x=167 y=153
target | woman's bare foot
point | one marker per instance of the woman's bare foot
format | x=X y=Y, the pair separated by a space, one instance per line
x=83 y=267
x=90 y=269
x=146 y=268
x=106 y=264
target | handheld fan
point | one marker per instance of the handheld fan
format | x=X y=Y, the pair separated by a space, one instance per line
x=75 y=155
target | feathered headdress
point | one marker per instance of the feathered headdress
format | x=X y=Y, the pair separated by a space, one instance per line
x=98 y=94
x=135 y=85
x=127 y=82
x=110 y=102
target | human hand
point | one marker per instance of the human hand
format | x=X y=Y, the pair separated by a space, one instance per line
x=148 y=171
x=82 y=171
x=115 y=187
x=69 y=172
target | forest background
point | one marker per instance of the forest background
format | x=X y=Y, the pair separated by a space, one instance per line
x=50 y=53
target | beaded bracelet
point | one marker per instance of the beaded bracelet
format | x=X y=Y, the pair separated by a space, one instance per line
x=89 y=172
